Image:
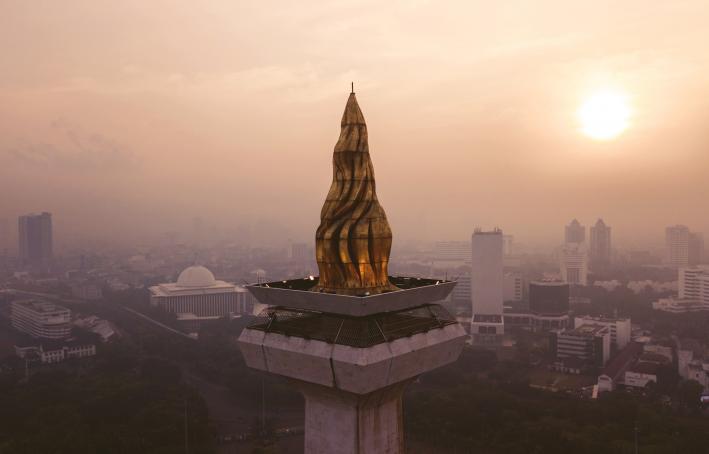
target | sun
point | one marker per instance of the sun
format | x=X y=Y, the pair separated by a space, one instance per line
x=605 y=114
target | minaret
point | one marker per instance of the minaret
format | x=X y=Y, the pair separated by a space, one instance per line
x=352 y=339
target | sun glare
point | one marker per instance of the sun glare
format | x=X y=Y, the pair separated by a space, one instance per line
x=604 y=115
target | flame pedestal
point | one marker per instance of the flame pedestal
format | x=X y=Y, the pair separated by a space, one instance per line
x=352 y=370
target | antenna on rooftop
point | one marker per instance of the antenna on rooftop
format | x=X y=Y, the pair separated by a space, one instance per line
x=352 y=84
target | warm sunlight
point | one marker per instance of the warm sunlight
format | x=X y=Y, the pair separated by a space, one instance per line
x=604 y=115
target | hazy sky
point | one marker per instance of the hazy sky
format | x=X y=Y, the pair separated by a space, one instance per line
x=132 y=116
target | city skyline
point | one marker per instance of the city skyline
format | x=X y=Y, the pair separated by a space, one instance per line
x=525 y=271
x=173 y=125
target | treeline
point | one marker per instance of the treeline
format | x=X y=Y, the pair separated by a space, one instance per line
x=119 y=404
x=454 y=410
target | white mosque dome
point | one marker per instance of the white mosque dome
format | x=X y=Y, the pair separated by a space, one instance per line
x=196 y=276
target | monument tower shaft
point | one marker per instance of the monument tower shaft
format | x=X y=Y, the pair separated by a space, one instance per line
x=352 y=339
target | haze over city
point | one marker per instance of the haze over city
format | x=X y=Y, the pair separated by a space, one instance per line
x=129 y=119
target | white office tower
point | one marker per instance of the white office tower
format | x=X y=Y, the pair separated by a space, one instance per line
x=487 y=283
x=677 y=246
x=574 y=264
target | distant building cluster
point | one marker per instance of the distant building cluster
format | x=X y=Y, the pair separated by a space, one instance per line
x=693 y=292
x=48 y=327
x=637 y=365
x=578 y=256
x=590 y=343
x=683 y=247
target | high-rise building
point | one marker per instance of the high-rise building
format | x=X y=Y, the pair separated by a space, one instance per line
x=549 y=297
x=4 y=237
x=574 y=264
x=695 y=248
x=41 y=319
x=574 y=232
x=677 y=246
x=549 y=305
x=600 y=245
x=487 y=283
x=35 y=236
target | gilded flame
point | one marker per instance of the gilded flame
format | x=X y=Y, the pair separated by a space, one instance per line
x=353 y=240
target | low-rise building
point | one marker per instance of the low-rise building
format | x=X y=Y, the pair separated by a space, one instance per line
x=679 y=306
x=198 y=295
x=96 y=325
x=641 y=374
x=693 y=292
x=620 y=328
x=41 y=319
x=693 y=366
x=613 y=373
x=588 y=343
x=55 y=352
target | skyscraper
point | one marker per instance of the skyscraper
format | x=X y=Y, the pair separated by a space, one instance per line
x=35 y=236
x=574 y=232
x=574 y=267
x=677 y=246
x=600 y=247
x=695 y=250
x=4 y=237
x=487 y=284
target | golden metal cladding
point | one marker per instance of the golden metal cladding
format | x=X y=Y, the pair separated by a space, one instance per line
x=353 y=241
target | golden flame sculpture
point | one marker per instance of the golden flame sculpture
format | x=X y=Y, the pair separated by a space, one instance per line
x=353 y=241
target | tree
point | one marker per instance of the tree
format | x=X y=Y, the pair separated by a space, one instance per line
x=689 y=392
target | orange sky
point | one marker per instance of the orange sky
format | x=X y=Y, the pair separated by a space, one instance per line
x=130 y=117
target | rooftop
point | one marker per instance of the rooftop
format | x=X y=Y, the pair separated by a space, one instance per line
x=603 y=318
x=621 y=360
x=652 y=357
x=41 y=307
x=587 y=330
x=644 y=368
x=550 y=283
